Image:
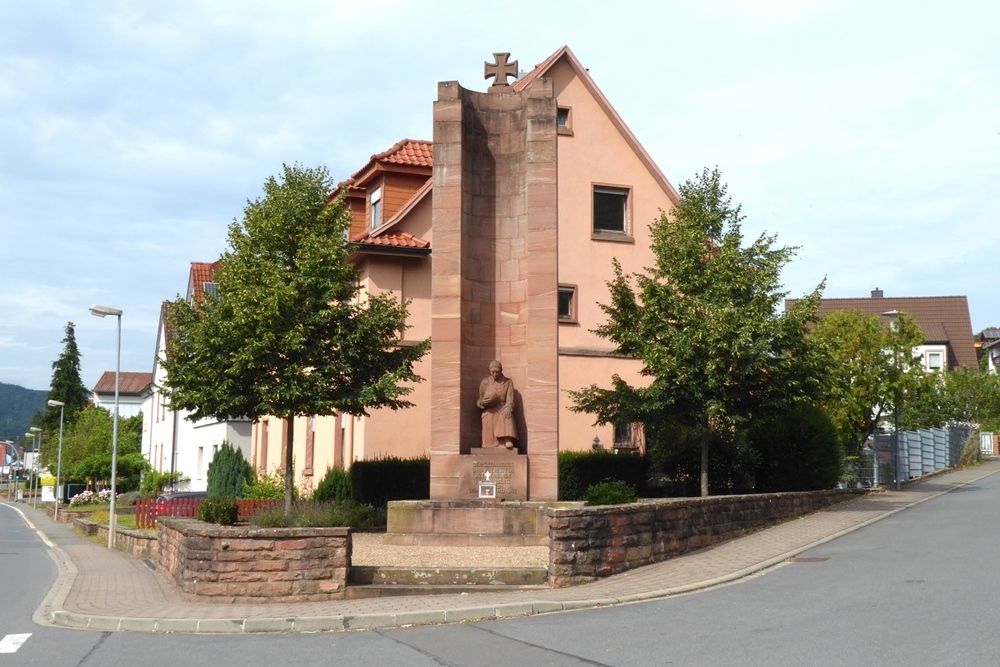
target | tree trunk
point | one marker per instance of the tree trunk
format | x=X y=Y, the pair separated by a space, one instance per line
x=706 y=439
x=289 y=467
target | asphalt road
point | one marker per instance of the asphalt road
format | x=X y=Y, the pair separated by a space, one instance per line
x=917 y=588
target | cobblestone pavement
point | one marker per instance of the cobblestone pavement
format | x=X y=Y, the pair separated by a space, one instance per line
x=109 y=591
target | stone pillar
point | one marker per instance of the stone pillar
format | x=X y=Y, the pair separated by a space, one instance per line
x=494 y=284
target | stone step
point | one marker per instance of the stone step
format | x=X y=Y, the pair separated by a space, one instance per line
x=398 y=590
x=465 y=578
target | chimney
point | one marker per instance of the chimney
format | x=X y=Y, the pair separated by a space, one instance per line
x=877 y=293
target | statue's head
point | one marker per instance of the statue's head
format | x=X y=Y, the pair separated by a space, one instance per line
x=496 y=370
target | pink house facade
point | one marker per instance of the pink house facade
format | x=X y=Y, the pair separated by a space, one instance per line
x=501 y=232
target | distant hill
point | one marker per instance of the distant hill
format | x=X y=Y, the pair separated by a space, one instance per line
x=17 y=408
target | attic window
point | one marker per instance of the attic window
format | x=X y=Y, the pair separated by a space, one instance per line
x=611 y=209
x=211 y=289
x=563 y=121
x=375 y=208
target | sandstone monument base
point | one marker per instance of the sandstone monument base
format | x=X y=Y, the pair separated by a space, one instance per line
x=472 y=523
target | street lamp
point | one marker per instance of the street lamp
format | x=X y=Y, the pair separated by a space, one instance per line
x=104 y=311
x=62 y=412
x=893 y=316
x=33 y=482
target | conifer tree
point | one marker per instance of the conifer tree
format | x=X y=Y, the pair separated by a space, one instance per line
x=66 y=386
x=228 y=473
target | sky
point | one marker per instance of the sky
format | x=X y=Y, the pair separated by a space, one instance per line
x=865 y=133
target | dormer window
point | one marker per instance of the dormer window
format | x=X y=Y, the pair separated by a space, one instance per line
x=375 y=208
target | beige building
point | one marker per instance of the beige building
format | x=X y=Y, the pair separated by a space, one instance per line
x=501 y=232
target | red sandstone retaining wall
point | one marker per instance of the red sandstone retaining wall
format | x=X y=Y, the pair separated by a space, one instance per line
x=244 y=564
x=137 y=544
x=592 y=542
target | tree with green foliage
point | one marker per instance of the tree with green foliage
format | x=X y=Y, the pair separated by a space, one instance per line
x=869 y=365
x=289 y=333
x=963 y=395
x=87 y=450
x=705 y=322
x=797 y=450
x=229 y=473
x=66 y=386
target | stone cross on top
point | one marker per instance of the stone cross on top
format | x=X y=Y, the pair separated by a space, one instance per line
x=500 y=69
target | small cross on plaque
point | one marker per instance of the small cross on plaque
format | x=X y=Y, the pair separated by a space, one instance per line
x=500 y=69
x=487 y=475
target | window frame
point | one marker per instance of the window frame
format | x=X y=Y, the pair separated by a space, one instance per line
x=623 y=191
x=375 y=208
x=566 y=128
x=572 y=317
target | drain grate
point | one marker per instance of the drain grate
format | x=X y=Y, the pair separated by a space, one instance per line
x=808 y=560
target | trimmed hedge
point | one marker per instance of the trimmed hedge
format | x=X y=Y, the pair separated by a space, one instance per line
x=334 y=487
x=220 y=510
x=578 y=471
x=381 y=480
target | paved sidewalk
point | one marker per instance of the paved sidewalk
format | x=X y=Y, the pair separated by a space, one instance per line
x=109 y=591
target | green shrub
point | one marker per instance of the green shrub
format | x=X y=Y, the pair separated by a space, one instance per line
x=154 y=482
x=324 y=515
x=222 y=511
x=798 y=450
x=127 y=499
x=378 y=481
x=611 y=492
x=268 y=487
x=334 y=487
x=228 y=473
x=578 y=471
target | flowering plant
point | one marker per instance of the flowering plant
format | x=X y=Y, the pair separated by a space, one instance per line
x=88 y=497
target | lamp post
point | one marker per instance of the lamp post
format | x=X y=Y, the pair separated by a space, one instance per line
x=893 y=316
x=33 y=482
x=104 y=311
x=62 y=412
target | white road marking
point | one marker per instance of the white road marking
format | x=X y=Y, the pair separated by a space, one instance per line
x=11 y=643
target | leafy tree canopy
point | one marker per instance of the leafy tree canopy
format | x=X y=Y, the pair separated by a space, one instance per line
x=705 y=321
x=290 y=332
x=86 y=450
x=869 y=365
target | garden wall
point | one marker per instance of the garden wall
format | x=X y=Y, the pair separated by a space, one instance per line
x=588 y=543
x=246 y=564
x=137 y=544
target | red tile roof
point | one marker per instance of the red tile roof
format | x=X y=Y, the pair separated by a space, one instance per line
x=392 y=240
x=201 y=273
x=408 y=152
x=540 y=68
x=128 y=383
x=944 y=320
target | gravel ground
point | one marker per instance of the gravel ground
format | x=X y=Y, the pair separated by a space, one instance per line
x=369 y=549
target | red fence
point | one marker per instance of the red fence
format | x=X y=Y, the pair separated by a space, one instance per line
x=147 y=509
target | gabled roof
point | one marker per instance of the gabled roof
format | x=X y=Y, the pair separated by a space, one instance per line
x=130 y=384
x=944 y=320
x=408 y=153
x=202 y=273
x=581 y=72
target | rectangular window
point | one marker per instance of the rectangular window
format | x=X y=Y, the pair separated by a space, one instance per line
x=375 y=209
x=610 y=210
x=623 y=435
x=934 y=361
x=563 y=121
x=567 y=303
